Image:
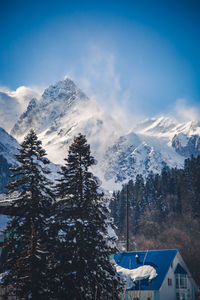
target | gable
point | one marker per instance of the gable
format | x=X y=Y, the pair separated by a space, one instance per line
x=180 y=270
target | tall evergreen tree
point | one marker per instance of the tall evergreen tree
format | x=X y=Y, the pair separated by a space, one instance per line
x=139 y=194
x=114 y=207
x=84 y=268
x=122 y=211
x=26 y=246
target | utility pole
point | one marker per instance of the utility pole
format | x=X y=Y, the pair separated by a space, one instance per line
x=127 y=220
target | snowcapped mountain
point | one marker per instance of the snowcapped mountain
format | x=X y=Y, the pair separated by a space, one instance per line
x=61 y=113
x=183 y=137
x=42 y=113
x=64 y=110
x=8 y=147
x=150 y=146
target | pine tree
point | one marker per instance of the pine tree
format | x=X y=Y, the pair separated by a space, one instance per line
x=122 y=212
x=27 y=246
x=4 y=173
x=84 y=268
x=140 y=193
x=114 y=207
x=150 y=192
x=134 y=208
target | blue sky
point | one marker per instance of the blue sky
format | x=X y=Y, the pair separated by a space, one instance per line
x=142 y=55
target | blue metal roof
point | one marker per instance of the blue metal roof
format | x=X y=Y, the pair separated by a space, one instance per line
x=161 y=260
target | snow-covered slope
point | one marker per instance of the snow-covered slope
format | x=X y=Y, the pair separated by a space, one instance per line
x=183 y=137
x=40 y=114
x=64 y=110
x=150 y=146
x=167 y=127
x=141 y=154
x=8 y=147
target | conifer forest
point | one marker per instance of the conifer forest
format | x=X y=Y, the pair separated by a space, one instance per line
x=164 y=212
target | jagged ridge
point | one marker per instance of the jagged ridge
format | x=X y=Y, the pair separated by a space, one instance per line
x=64 y=110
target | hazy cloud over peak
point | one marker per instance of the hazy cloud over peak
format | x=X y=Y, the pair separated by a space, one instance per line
x=185 y=111
x=14 y=103
x=24 y=94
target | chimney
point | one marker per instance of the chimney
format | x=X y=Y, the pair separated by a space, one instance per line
x=137 y=259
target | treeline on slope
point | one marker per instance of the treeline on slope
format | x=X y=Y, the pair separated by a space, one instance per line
x=164 y=212
x=57 y=249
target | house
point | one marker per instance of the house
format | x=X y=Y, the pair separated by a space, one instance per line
x=155 y=275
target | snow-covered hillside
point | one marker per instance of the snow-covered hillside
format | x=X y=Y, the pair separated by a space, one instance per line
x=150 y=146
x=64 y=110
x=8 y=148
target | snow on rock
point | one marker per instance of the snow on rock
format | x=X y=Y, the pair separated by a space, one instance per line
x=111 y=232
x=8 y=146
x=156 y=126
x=139 y=273
x=13 y=103
x=61 y=113
x=143 y=154
x=2 y=275
x=64 y=110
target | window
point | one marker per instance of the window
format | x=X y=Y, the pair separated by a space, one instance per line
x=169 y=281
x=181 y=281
x=181 y=296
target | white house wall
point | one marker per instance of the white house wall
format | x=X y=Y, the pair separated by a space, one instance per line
x=191 y=285
x=169 y=292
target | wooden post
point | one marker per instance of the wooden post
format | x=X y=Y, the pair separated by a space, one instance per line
x=127 y=220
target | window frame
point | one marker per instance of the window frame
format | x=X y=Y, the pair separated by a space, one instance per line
x=181 y=281
x=169 y=281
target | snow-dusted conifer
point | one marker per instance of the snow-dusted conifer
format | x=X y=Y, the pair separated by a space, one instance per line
x=27 y=244
x=86 y=271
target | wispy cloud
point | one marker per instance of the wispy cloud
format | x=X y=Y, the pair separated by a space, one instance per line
x=99 y=79
x=24 y=94
x=184 y=111
x=100 y=76
x=14 y=103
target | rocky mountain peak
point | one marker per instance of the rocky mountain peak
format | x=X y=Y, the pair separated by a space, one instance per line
x=64 y=110
x=57 y=102
x=61 y=91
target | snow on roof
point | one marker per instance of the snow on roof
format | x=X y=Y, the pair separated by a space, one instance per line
x=139 y=273
x=159 y=260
